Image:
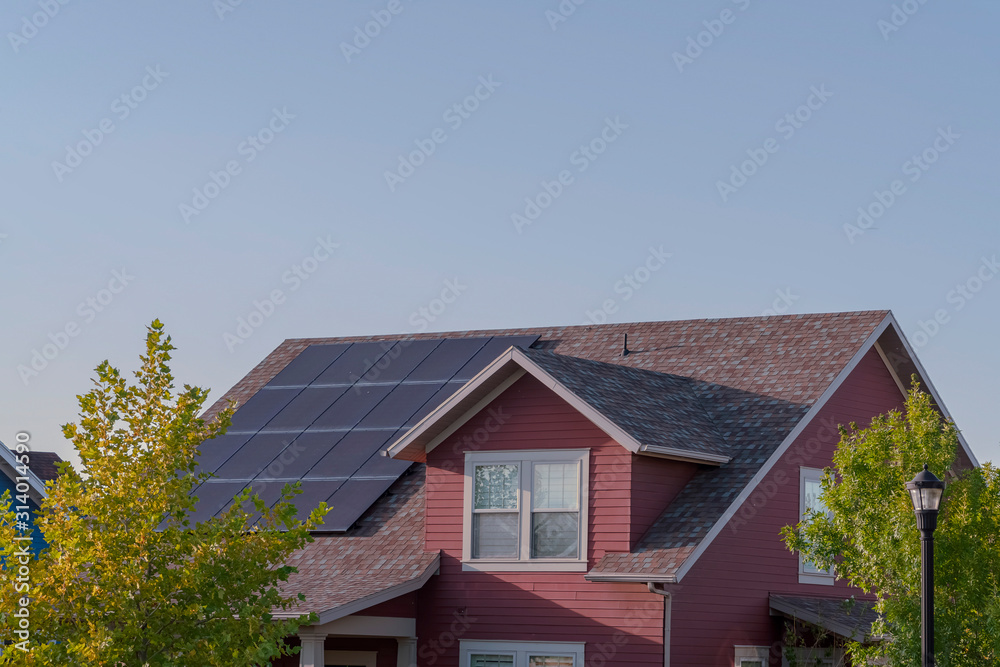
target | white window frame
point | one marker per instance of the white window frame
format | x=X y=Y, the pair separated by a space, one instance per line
x=820 y=578
x=525 y=459
x=366 y=658
x=745 y=656
x=522 y=650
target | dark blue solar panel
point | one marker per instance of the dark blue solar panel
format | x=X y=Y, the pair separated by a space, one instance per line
x=253 y=457
x=493 y=349
x=357 y=360
x=353 y=450
x=261 y=407
x=216 y=451
x=353 y=499
x=212 y=497
x=399 y=360
x=310 y=362
x=402 y=402
x=446 y=359
x=296 y=460
x=303 y=410
x=360 y=398
x=352 y=406
x=314 y=493
x=439 y=397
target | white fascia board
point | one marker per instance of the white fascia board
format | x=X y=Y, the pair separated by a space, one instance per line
x=930 y=387
x=9 y=465
x=783 y=447
x=631 y=578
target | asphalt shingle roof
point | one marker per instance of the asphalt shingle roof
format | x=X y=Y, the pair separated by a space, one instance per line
x=739 y=385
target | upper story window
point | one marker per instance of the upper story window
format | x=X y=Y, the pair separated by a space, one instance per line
x=526 y=510
x=810 y=487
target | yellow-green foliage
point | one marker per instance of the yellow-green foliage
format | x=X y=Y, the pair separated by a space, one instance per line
x=871 y=537
x=127 y=579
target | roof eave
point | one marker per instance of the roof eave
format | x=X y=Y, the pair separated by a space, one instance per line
x=353 y=607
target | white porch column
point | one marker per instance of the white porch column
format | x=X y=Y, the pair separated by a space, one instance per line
x=406 y=652
x=311 y=654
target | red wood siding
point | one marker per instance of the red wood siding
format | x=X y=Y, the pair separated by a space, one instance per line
x=655 y=483
x=405 y=606
x=621 y=621
x=723 y=600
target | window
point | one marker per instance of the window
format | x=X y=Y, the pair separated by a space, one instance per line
x=751 y=656
x=810 y=487
x=526 y=510
x=521 y=654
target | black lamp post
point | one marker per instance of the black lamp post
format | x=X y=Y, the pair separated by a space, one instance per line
x=925 y=492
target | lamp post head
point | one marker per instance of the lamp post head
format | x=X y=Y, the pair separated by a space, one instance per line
x=925 y=493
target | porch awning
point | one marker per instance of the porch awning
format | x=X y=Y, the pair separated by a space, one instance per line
x=848 y=618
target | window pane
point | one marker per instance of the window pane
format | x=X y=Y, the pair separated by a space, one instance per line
x=813 y=489
x=494 y=535
x=496 y=487
x=550 y=661
x=556 y=486
x=555 y=534
x=481 y=660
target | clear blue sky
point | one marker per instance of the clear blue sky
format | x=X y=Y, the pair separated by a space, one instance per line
x=308 y=128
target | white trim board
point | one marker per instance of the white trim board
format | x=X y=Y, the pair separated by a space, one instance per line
x=9 y=465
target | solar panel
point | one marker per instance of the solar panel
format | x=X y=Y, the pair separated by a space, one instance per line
x=261 y=407
x=490 y=351
x=213 y=496
x=352 y=500
x=352 y=407
x=439 y=397
x=254 y=457
x=402 y=402
x=447 y=358
x=214 y=452
x=310 y=362
x=328 y=415
x=399 y=360
x=303 y=410
x=353 y=363
x=297 y=459
x=350 y=453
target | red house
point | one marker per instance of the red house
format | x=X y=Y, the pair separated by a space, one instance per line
x=565 y=497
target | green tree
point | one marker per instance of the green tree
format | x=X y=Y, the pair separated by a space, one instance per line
x=871 y=538
x=128 y=579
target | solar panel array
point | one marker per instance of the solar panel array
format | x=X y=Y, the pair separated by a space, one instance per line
x=327 y=416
